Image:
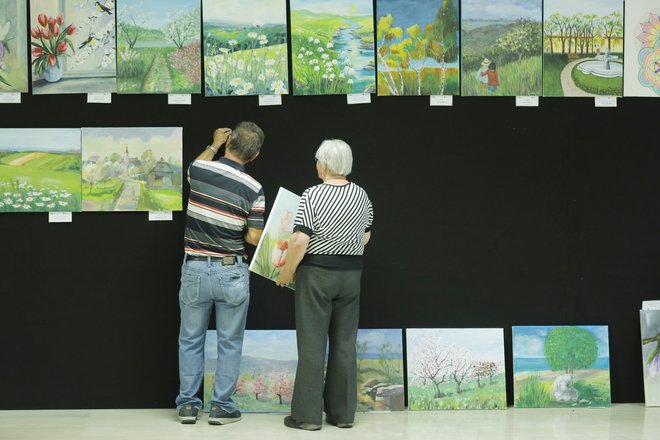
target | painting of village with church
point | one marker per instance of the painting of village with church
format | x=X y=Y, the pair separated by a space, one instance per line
x=132 y=169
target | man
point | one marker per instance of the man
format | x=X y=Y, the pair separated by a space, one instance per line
x=225 y=210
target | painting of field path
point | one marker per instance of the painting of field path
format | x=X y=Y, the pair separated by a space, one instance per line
x=268 y=370
x=39 y=170
x=245 y=47
x=13 y=46
x=456 y=369
x=642 y=41
x=650 y=326
x=582 y=48
x=332 y=47
x=418 y=45
x=158 y=47
x=132 y=169
x=502 y=48
x=380 y=370
x=561 y=366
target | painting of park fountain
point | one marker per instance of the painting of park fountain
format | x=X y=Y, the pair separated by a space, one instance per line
x=13 y=46
x=39 y=170
x=245 y=47
x=650 y=327
x=642 y=40
x=456 y=369
x=418 y=45
x=561 y=367
x=332 y=47
x=502 y=48
x=582 y=48
x=132 y=169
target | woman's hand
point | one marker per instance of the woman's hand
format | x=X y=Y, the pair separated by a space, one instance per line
x=285 y=278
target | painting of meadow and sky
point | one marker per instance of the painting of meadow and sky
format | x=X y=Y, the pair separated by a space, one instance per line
x=13 y=46
x=39 y=170
x=561 y=367
x=418 y=45
x=158 y=50
x=245 y=47
x=332 y=47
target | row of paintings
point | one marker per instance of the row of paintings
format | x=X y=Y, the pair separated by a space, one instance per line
x=446 y=369
x=419 y=47
x=91 y=169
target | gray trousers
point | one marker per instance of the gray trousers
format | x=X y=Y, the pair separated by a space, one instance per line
x=327 y=308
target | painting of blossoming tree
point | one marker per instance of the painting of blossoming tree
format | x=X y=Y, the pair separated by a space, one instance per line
x=13 y=46
x=650 y=332
x=332 y=46
x=245 y=47
x=271 y=252
x=39 y=170
x=158 y=49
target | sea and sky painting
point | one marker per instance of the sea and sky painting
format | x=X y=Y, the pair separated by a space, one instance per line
x=332 y=47
x=583 y=48
x=132 y=169
x=245 y=47
x=417 y=47
x=455 y=369
x=650 y=327
x=39 y=170
x=159 y=47
x=502 y=43
x=561 y=367
x=13 y=46
x=642 y=63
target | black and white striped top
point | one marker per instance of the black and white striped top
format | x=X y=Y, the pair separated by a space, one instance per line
x=335 y=217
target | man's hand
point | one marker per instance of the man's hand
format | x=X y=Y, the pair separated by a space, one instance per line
x=220 y=137
x=285 y=278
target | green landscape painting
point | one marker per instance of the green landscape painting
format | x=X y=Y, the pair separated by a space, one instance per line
x=13 y=46
x=332 y=47
x=561 y=367
x=380 y=370
x=39 y=170
x=158 y=50
x=132 y=169
x=582 y=48
x=502 y=48
x=456 y=369
x=418 y=46
x=245 y=47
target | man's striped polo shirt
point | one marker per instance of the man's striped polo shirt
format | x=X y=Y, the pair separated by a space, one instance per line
x=224 y=201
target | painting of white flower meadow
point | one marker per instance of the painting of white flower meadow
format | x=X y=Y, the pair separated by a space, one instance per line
x=245 y=47
x=40 y=170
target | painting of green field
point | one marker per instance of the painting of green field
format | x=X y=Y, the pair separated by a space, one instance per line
x=245 y=47
x=380 y=370
x=158 y=50
x=13 y=46
x=39 y=170
x=332 y=46
x=132 y=169
x=418 y=46
x=561 y=367
x=456 y=369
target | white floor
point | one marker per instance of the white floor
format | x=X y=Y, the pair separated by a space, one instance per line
x=621 y=422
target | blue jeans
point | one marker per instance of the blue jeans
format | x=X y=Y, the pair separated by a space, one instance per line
x=205 y=285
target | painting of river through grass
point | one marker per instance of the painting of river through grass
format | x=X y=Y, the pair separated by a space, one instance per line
x=332 y=47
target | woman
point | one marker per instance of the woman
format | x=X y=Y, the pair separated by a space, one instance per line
x=330 y=230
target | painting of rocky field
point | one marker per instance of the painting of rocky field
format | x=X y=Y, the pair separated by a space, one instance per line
x=642 y=47
x=245 y=47
x=332 y=47
x=650 y=328
x=561 y=367
x=13 y=46
x=456 y=369
x=39 y=170
x=380 y=370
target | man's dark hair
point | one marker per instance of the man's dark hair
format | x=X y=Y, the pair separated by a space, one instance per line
x=246 y=140
x=493 y=66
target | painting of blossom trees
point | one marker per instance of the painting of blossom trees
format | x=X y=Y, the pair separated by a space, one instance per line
x=13 y=46
x=561 y=366
x=642 y=44
x=650 y=327
x=454 y=369
x=159 y=46
x=380 y=370
x=332 y=47
x=73 y=46
x=273 y=246
x=268 y=370
x=245 y=47
x=417 y=47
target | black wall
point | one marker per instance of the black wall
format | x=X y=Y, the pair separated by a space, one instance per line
x=486 y=215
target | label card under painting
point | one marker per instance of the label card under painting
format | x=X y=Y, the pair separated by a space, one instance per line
x=160 y=216
x=179 y=99
x=60 y=217
x=10 y=98
x=358 y=98
x=442 y=100
x=270 y=100
x=99 y=98
x=605 y=101
x=527 y=101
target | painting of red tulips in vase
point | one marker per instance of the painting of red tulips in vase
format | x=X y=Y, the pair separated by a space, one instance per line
x=273 y=247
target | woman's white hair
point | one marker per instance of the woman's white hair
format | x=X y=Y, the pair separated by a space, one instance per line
x=335 y=156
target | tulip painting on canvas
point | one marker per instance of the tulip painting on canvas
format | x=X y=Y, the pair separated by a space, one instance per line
x=13 y=46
